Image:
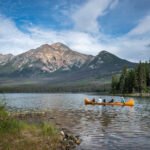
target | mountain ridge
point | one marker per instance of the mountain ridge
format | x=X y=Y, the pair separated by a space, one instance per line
x=57 y=57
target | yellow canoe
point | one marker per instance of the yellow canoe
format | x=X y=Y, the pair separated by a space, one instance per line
x=129 y=103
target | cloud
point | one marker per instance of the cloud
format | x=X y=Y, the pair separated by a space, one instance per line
x=129 y=46
x=79 y=41
x=134 y=45
x=142 y=28
x=132 y=49
x=114 y=4
x=148 y=45
x=12 y=40
x=85 y=17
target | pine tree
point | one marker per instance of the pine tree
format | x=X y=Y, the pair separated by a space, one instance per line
x=114 y=84
x=147 y=73
x=130 y=81
x=127 y=83
x=141 y=77
x=135 y=80
x=123 y=79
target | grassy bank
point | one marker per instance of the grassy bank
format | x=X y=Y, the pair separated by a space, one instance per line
x=19 y=135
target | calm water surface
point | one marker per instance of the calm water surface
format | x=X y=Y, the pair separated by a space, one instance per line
x=99 y=127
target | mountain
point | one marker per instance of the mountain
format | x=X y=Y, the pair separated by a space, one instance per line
x=5 y=58
x=46 y=59
x=59 y=60
x=108 y=62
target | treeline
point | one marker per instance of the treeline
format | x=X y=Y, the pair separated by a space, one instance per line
x=55 y=89
x=135 y=80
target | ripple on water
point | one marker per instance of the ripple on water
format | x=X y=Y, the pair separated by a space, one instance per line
x=100 y=127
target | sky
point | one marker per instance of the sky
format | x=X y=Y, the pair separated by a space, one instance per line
x=121 y=27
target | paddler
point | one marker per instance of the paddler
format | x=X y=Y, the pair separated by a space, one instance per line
x=93 y=100
x=104 y=100
x=112 y=100
x=100 y=100
x=122 y=100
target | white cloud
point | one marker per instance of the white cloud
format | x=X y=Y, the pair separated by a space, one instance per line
x=114 y=4
x=142 y=28
x=85 y=18
x=12 y=40
x=133 y=45
x=129 y=46
x=132 y=49
x=79 y=41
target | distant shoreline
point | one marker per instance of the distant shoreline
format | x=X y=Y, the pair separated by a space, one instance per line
x=55 y=89
x=134 y=94
x=92 y=92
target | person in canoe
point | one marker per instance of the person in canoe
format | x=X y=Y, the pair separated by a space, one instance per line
x=104 y=100
x=122 y=100
x=93 y=100
x=112 y=100
x=100 y=100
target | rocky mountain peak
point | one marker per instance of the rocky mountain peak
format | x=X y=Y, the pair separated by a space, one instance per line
x=107 y=56
x=44 y=46
x=103 y=52
x=58 y=57
x=49 y=58
x=60 y=46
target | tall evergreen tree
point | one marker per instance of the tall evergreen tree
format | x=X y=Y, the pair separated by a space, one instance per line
x=147 y=73
x=114 y=84
x=130 y=81
x=141 y=77
x=123 y=79
x=135 y=80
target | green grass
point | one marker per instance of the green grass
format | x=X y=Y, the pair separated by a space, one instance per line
x=3 y=113
x=49 y=129
x=8 y=124
x=18 y=135
x=11 y=126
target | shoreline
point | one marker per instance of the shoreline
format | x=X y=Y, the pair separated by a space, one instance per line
x=92 y=92
x=97 y=93
x=33 y=135
x=133 y=94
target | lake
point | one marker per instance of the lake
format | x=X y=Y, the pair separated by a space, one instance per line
x=99 y=127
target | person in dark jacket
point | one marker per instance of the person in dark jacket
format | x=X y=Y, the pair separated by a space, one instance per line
x=93 y=100
x=104 y=100
x=112 y=100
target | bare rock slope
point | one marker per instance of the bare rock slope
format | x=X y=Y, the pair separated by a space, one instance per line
x=49 y=59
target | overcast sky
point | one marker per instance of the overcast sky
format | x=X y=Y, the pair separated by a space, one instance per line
x=121 y=27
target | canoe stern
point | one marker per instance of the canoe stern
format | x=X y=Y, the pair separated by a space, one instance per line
x=130 y=102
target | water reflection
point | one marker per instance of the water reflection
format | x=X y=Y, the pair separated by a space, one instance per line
x=100 y=127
